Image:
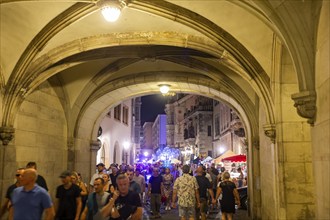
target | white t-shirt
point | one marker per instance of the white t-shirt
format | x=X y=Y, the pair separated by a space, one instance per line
x=96 y=175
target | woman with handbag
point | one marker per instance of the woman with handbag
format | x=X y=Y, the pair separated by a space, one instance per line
x=230 y=197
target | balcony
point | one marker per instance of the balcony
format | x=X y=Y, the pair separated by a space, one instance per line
x=200 y=108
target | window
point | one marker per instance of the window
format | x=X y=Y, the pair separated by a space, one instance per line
x=117 y=112
x=125 y=115
x=209 y=133
x=109 y=114
x=216 y=125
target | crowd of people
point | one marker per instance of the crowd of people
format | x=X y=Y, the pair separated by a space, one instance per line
x=121 y=192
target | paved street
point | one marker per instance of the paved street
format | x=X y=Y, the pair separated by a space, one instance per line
x=174 y=215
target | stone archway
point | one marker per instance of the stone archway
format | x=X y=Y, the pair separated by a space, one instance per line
x=249 y=120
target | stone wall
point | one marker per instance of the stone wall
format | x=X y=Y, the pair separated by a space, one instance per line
x=267 y=172
x=321 y=129
x=293 y=146
x=40 y=136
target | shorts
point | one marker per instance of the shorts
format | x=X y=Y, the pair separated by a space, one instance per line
x=186 y=211
x=203 y=206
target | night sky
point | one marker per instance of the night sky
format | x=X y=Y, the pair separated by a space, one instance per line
x=152 y=105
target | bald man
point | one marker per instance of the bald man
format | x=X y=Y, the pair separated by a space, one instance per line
x=30 y=200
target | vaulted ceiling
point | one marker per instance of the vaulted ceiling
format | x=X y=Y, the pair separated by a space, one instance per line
x=216 y=42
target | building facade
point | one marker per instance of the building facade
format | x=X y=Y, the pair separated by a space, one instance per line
x=159 y=132
x=190 y=122
x=228 y=132
x=116 y=135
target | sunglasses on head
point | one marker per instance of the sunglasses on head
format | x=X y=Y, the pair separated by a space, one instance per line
x=17 y=174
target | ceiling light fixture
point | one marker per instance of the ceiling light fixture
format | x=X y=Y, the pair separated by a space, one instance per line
x=165 y=90
x=111 y=9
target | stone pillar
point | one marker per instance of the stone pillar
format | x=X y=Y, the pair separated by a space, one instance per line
x=254 y=163
x=321 y=128
x=8 y=163
x=71 y=154
x=95 y=146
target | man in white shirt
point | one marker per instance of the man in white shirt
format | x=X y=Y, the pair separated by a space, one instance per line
x=100 y=171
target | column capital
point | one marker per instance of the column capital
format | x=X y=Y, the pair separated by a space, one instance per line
x=270 y=131
x=305 y=102
x=6 y=134
x=95 y=145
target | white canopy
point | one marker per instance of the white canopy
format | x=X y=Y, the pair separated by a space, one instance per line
x=175 y=161
x=228 y=153
x=207 y=159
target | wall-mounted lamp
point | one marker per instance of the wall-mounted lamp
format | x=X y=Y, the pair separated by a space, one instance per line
x=164 y=89
x=111 y=9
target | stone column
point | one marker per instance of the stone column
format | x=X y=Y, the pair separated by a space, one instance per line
x=71 y=154
x=95 y=146
x=8 y=163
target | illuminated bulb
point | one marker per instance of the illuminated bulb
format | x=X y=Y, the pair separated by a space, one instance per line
x=126 y=145
x=111 y=13
x=145 y=154
x=164 y=89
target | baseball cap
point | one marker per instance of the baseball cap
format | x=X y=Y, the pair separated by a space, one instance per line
x=100 y=164
x=65 y=174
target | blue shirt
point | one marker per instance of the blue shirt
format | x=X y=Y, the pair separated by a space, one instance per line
x=29 y=205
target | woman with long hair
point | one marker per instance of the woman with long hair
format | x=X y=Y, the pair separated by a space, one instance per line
x=107 y=182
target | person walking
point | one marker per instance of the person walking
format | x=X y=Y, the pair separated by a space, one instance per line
x=124 y=204
x=230 y=196
x=204 y=186
x=155 y=190
x=100 y=170
x=168 y=181
x=83 y=190
x=141 y=181
x=186 y=189
x=68 y=200
x=113 y=175
x=133 y=186
x=240 y=178
x=96 y=201
x=30 y=200
x=10 y=191
x=107 y=182
x=40 y=179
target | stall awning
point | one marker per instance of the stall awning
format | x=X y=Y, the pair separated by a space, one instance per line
x=228 y=153
x=207 y=159
x=236 y=158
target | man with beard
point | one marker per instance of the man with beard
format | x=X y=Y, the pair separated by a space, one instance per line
x=96 y=201
x=10 y=191
x=124 y=204
x=100 y=171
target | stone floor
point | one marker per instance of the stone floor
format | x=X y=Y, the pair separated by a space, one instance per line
x=174 y=215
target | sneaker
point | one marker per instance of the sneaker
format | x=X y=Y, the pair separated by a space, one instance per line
x=158 y=216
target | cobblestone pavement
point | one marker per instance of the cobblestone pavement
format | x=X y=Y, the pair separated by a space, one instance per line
x=174 y=214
